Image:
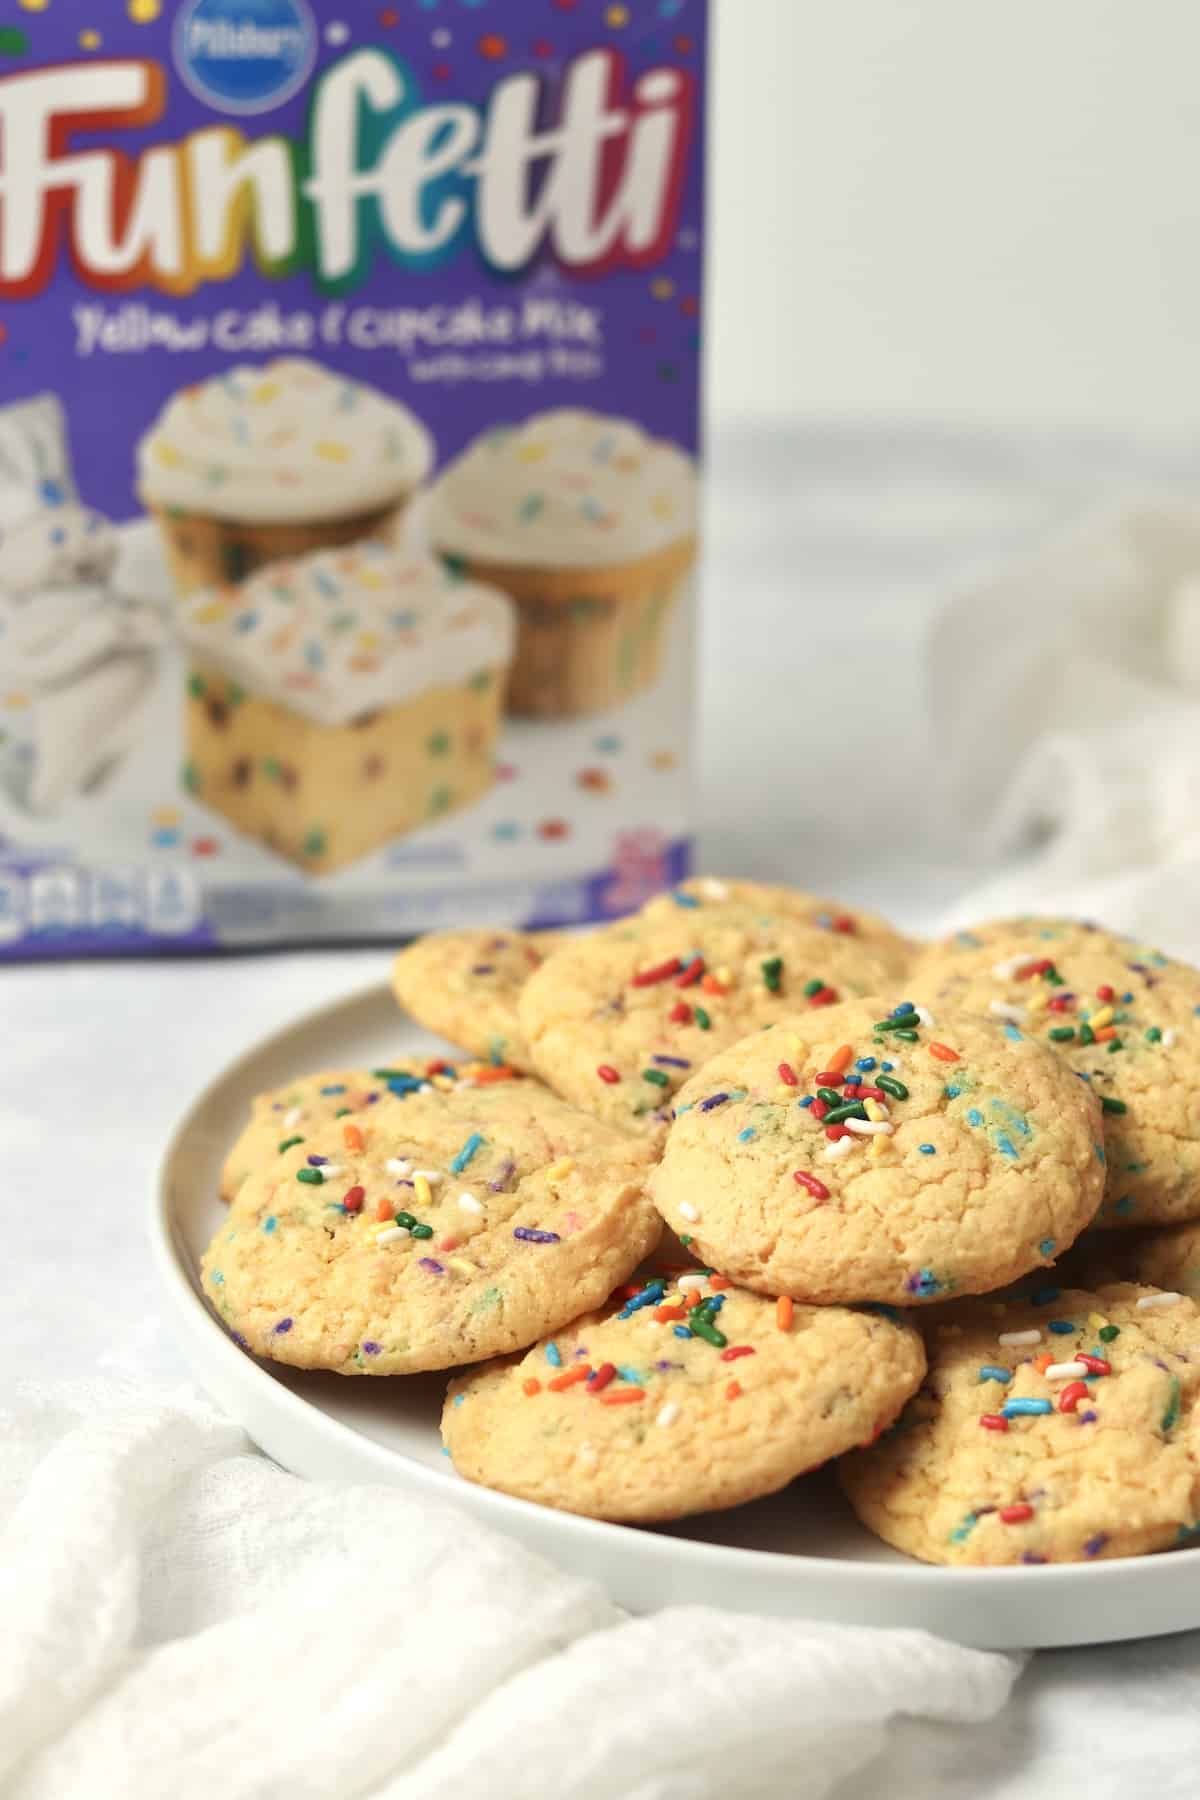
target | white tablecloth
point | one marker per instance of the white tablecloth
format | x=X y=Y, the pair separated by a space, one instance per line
x=826 y=552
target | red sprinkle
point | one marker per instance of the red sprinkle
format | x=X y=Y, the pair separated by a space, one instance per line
x=993 y=1421
x=828 y=1078
x=663 y=1313
x=1039 y=967
x=448 y=1243
x=944 y=1053
x=872 y=1093
x=1070 y=1396
x=353 y=1198
x=733 y=1391
x=1016 y=1515
x=660 y=972
x=680 y=1013
x=845 y=924
x=692 y=973
x=601 y=1377
x=1095 y=1365
x=816 y=1188
x=1060 y=1003
x=1104 y=992
x=788 y=1074
x=834 y=1132
x=532 y=1386
x=606 y=1072
x=569 y=1378
x=818 y=1109
x=623 y=1396
x=825 y=996
x=736 y=1350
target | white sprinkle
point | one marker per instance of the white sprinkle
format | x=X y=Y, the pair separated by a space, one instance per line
x=431 y=1175
x=1169 y=1037
x=1002 y=1010
x=396 y=1165
x=687 y=1283
x=926 y=1017
x=1154 y=1302
x=294 y=1117
x=391 y=1234
x=470 y=1204
x=839 y=1148
x=668 y=1414
x=1004 y=971
x=1066 y=1371
x=587 y=1453
x=716 y=890
x=330 y=1170
x=688 y=1211
x=895 y=1063
x=1032 y=1336
x=868 y=1128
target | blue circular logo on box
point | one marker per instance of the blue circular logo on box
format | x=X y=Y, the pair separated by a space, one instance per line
x=245 y=56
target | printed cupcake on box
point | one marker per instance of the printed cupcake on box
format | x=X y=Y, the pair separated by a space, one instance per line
x=348 y=467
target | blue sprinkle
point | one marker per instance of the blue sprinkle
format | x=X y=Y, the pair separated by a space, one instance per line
x=713 y=1100
x=965 y=1529
x=1099 y=1149
x=1006 y=1147
x=1010 y=1031
x=974 y=1116
x=464 y=1156
x=269 y=1223
x=865 y=1063
x=714 y=1303
x=672 y=1062
x=682 y=899
x=217 y=1279
x=403 y=1084
x=905 y=1006
x=995 y=1372
x=650 y=1295
x=682 y=1331
x=633 y=1376
x=807 y=1100
x=1047 y=1247
x=1045 y=1296
x=458 y=1398
x=887 y=1067
x=745 y=1136
x=338 y=1087
x=923 y=1282
x=927 y=1149
x=445 y=1450
x=528 y=1235
x=1062 y=1327
x=1025 y=1409
x=1124 y=1206
x=554 y=1356
x=952 y=1092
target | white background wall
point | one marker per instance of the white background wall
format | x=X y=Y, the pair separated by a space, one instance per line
x=969 y=209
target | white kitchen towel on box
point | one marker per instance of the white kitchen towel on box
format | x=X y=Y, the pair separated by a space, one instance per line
x=1065 y=703
x=182 y=1619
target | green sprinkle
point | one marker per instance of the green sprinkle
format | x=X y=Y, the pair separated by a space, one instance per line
x=1115 y=1044
x=196 y=686
x=772 y=973
x=657 y=1077
x=287 y=1144
x=1109 y=1105
x=685 y=1240
x=315 y=843
x=1062 y=1034
x=1154 y=1035
x=421 y=1231
x=811 y=988
x=891 y=1086
x=853 y=1109
x=406 y=1219
x=703 y=1329
x=1108 y=1333
x=702 y=1019
x=907 y=1037
x=1086 y=1034
x=191 y=778
x=439 y=743
x=900 y=1024
x=830 y=1096
x=313 y=1177
x=1171 y=1417
x=341 y=1112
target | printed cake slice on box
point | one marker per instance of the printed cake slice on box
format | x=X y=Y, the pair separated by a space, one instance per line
x=336 y=702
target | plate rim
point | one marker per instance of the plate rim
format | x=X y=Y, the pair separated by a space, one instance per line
x=525 y=1518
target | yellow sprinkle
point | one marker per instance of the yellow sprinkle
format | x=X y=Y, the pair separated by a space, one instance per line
x=878 y=1145
x=1096 y=1321
x=168 y=456
x=421 y=1189
x=165 y=815
x=561 y=1169
x=16 y=702
x=662 y=289
x=531 y=453
x=461 y=1266
x=144 y=12
x=1038 y=1001
x=873 y=1109
x=368 y=640
x=369 y=578
x=267 y=390
x=332 y=451
x=1099 y=1020
x=444 y=1082
x=211 y=615
x=89 y=40
x=724 y=974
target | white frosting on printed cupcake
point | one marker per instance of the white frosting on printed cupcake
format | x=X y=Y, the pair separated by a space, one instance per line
x=567 y=488
x=286 y=440
x=347 y=632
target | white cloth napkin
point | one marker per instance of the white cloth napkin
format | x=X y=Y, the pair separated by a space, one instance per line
x=1065 y=700
x=181 y=1618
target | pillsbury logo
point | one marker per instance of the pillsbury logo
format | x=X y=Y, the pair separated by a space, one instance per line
x=245 y=56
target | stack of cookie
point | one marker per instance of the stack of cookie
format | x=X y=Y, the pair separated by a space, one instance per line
x=851 y=1141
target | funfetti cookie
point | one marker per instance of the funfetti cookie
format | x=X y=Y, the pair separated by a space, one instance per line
x=274 y=461
x=1167 y=1258
x=465 y=985
x=285 y=1118
x=681 y=1400
x=867 y=1153
x=337 y=702
x=616 y=1022
x=434 y=1230
x=705 y=891
x=589 y=525
x=1037 y=934
x=1127 y=1021
x=1062 y=1428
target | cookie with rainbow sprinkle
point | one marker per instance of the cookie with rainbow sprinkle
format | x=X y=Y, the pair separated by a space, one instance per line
x=286 y=1117
x=589 y=525
x=894 y=950
x=869 y=1154
x=431 y=1230
x=275 y=460
x=1127 y=1021
x=1058 y=1428
x=465 y=985
x=616 y=1022
x=690 y=1396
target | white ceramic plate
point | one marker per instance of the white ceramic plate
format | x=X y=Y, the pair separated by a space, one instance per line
x=800 y=1553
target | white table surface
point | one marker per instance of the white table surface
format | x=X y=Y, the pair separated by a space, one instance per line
x=827 y=550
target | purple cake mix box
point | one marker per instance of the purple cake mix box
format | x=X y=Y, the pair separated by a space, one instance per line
x=349 y=365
